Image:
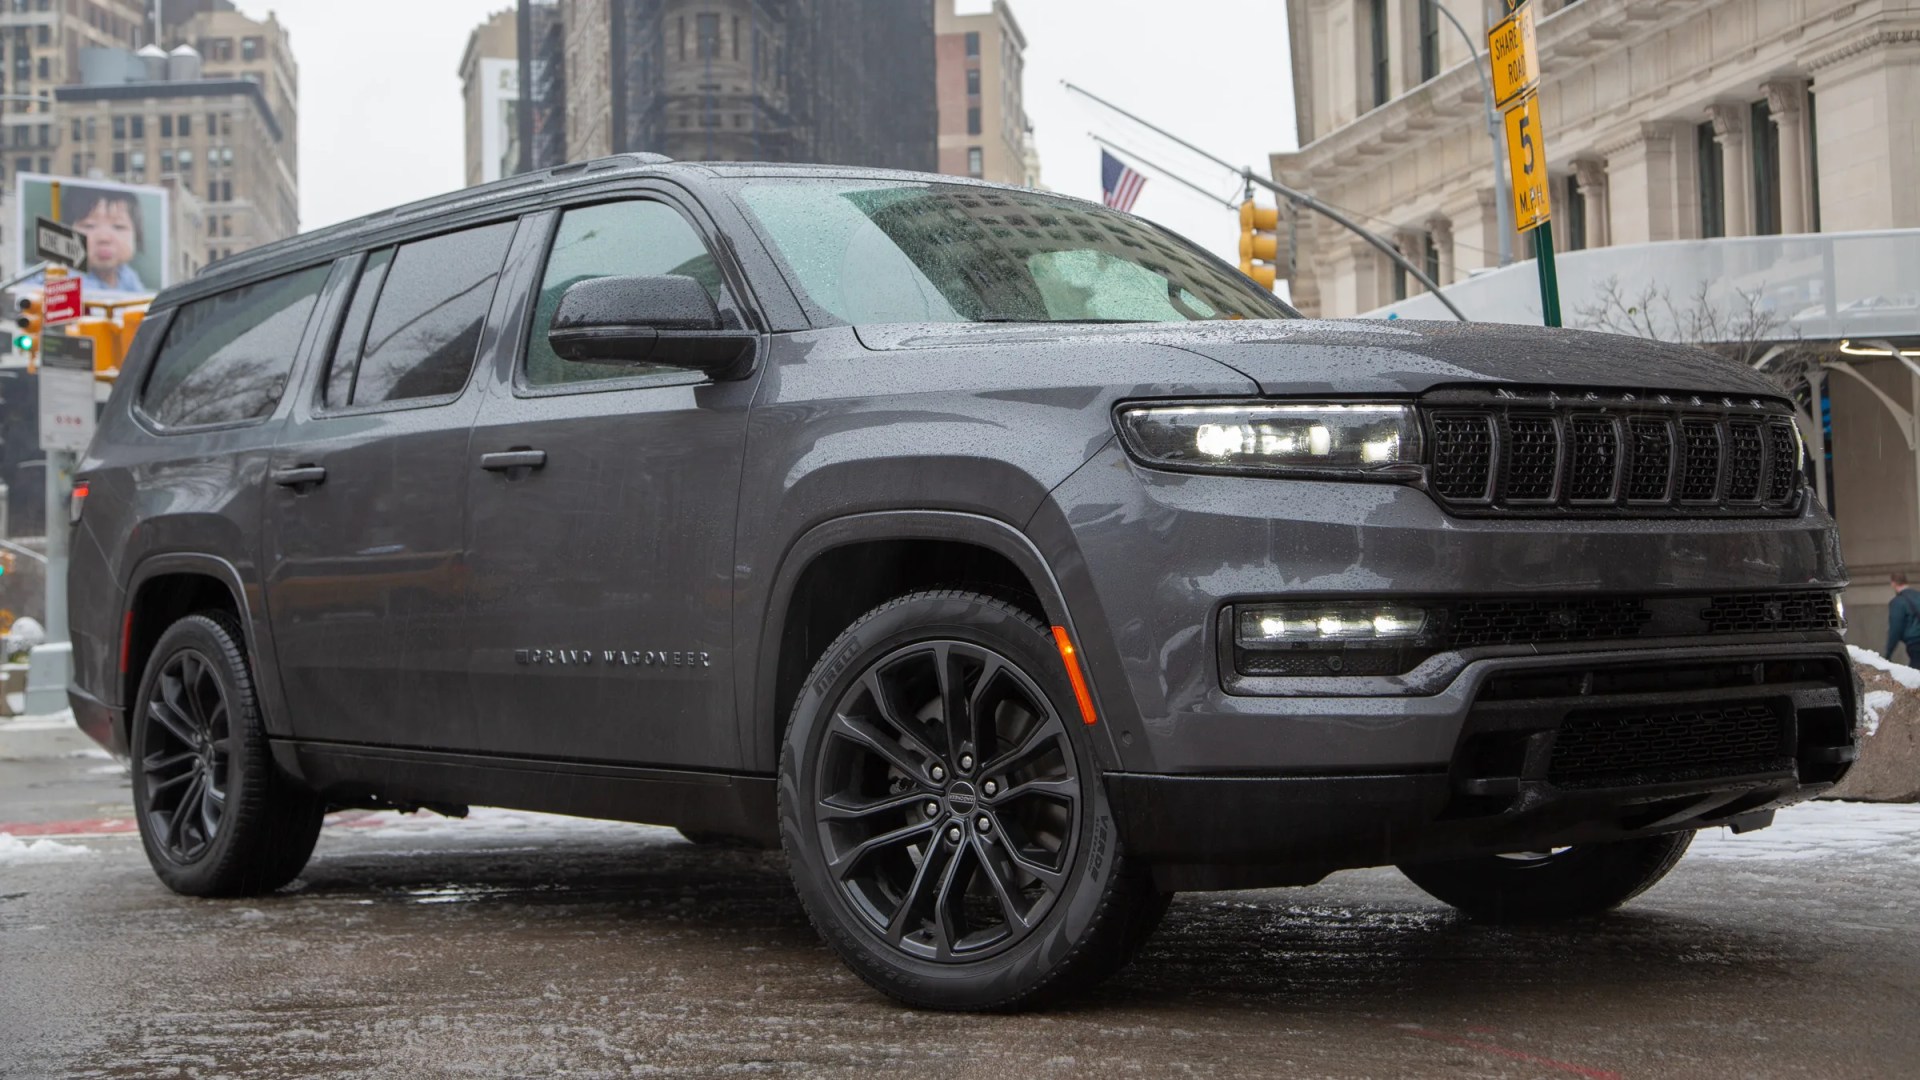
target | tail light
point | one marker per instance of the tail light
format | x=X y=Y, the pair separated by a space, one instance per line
x=78 y=501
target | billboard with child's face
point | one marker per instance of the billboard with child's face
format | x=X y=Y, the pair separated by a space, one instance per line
x=125 y=228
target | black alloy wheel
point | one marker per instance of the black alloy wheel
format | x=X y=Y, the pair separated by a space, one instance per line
x=948 y=801
x=217 y=816
x=188 y=751
x=943 y=813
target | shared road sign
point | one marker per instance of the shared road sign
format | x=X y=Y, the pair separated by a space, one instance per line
x=1516 y=55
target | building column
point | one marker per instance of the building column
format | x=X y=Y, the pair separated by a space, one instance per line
x=1787 y=102
x=1864 y=89
x=1642 y=197
x=1590 y=180
x=1441 y=229
x=1410 y=244
x=1473 y=229
x=1736 y=166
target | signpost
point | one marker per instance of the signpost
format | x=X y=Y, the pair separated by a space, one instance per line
x=67 y=411
x=58 y=244
x=1515 y=54
x=60 y=301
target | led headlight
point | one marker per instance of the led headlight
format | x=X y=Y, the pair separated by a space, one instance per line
x=1361 y=440
x=1270 y=626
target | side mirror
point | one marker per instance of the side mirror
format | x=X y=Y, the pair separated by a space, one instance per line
x=669 y=320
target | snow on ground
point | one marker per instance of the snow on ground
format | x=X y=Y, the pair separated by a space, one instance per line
x=1873 y=704
x=1902 y=674
x=14 y=850
x=1818 y=830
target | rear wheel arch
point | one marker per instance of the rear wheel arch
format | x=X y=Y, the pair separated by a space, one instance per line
x=168 y=588
x=844 y=568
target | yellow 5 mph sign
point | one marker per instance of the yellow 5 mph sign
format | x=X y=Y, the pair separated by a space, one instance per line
x=1527 y=162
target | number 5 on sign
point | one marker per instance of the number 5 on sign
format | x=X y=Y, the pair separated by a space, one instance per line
x=1527 y=161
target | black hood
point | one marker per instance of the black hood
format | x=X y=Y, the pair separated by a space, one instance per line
x=1375 y=356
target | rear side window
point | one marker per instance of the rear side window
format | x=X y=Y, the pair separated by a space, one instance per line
x=413 y=327
x=226 y=358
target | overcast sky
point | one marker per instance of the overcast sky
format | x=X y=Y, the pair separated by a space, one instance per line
x=381 y=123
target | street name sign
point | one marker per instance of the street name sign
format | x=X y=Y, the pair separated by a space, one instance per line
x=62 y=301
x=1516 y=55
x=67 y=409
x=56 y=243
x=1527 y=163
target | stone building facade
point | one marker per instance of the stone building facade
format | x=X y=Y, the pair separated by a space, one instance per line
x=981 y=73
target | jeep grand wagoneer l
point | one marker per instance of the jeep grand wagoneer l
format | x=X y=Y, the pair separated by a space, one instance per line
x=1011 y=561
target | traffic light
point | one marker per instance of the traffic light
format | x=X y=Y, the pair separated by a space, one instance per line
x=1260 y=243
x=27 y=338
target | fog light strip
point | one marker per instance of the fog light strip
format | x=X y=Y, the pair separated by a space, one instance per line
x=1071 y=658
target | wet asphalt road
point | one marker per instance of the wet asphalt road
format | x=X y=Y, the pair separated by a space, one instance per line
x=520 y=945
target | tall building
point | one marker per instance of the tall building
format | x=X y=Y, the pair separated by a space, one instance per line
x=980 y=65
x=233 y=46
x=490 y=85
x=837 y=81
x=40 y=47
x=1738 y=171
x=216 y=140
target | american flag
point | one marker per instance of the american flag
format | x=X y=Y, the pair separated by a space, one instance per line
x=1119 y=185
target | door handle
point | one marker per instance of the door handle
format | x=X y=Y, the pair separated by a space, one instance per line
x=299 y=476
x=506 y=460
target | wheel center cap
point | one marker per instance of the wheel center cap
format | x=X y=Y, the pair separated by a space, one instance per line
x=961 y=799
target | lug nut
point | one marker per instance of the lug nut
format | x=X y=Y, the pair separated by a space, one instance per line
x=966 y=762
x=937 y=773
x=983 y=823
x=932 y=808
x=953 y=835
x=990 y=788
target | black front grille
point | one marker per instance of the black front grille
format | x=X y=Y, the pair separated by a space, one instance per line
x=1721 y=739
x=1759 y=613
x=1619 y=454
x=1509 y=622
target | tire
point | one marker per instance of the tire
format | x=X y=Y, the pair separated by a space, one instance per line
x=196 y=731
x=995 y=901
x=1586 y=879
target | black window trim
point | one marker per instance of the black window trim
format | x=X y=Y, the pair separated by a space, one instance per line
x=316 y=320
x=529 y=304
x=318 y=408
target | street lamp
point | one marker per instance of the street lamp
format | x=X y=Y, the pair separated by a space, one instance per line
x=1502 y=195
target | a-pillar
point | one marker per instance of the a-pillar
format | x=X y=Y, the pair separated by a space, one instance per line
x=1736 y=166
x=1787 y=102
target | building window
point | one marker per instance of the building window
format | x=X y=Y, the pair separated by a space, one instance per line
x=973 y=82
x=119 y=162
x=1575 y=215
x=137 y=126
x=1766 y=170
x=166 y=161
x=707 y=29
x=1399 y=281
x=250 y=48
x=1377 y=42
x=166 y=127
x=1429 y=39
x=138 y=159
x=973 y=43
x=976 y=162
x=973 y=120
x=76 y=129
x=1813 y=166
x=1711 y=169
x=186 y=127
x=119 y=127
x=1430 y=255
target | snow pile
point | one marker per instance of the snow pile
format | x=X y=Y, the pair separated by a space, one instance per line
x=14 y=850
x=1889 y=765
x=1817 y=830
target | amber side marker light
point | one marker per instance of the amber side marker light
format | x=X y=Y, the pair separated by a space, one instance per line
x=1075 y=676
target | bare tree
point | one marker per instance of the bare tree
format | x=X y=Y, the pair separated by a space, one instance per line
x=1741 y=328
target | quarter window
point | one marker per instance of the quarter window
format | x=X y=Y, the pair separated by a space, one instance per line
x=226 y=358
x=638 y=238
x=413 y=327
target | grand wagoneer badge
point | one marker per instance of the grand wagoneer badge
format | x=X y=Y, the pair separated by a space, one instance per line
x=684 y=658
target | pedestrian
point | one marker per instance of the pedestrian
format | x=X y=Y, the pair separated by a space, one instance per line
x=1903 y=619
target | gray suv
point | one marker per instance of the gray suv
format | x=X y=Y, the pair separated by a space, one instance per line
x=1010 y=561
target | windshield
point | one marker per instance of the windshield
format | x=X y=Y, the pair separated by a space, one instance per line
x=867 y=251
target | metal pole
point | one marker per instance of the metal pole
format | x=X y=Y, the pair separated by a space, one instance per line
x=1299 y=198
x=1503 y=195
x=524 y=122
x=1549 y=276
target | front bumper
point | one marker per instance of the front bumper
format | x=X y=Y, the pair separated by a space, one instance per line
x=1543 y=752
